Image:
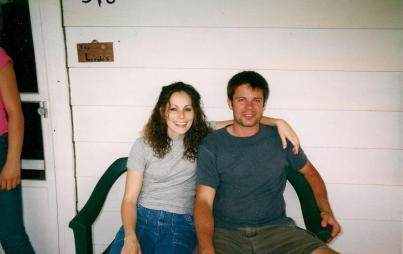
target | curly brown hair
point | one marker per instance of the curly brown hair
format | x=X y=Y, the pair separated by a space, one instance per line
x=156 y=129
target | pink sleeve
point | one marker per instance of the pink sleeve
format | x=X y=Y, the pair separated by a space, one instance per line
x=4 y=58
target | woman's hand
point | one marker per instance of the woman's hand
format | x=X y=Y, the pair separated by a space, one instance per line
x=131 y=246
x=286 y=132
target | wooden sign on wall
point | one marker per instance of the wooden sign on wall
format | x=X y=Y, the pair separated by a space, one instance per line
x=95 y=52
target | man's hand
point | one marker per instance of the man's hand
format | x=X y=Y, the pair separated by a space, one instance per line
x=329 y=220
x=10 y=176
x=131 y=246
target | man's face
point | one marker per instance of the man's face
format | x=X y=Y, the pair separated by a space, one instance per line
x=247 y=106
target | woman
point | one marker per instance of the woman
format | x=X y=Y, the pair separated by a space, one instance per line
x=157 y=206
x=13 y=237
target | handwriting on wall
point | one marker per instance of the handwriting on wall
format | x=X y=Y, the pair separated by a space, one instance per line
x=95 y=52
x=99 y=2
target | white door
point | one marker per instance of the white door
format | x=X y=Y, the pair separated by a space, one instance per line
x=33 y=36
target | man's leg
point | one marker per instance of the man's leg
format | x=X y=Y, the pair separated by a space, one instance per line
x=231 y=242
x=286 y=239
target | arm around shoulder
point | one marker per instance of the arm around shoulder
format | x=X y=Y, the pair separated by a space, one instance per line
x=284 y=130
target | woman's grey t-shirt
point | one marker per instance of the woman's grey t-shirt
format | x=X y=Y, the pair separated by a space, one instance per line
x=169 y=182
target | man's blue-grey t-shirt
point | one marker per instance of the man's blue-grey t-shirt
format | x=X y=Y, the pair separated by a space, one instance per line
x=249 y=176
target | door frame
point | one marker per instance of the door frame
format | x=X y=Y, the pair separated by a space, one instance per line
x=51 y=62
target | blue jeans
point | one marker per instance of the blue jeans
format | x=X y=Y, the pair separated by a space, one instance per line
x=160 y=232
x=13 y=237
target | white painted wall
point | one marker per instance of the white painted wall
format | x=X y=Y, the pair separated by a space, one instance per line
x=335 y=70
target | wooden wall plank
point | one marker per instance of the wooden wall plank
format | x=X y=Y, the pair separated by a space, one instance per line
x=263 y=48
x=118 y=124
x=92 y=159
x=354 y=129
x=370 y=237
x=371 y=199
x=357 y=166
x=258 y=13
x=320 y=90
x=348 y=200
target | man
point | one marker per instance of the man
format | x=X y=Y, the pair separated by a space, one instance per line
x=241 y=177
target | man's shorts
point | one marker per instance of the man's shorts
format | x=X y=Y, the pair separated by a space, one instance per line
x=276 y=239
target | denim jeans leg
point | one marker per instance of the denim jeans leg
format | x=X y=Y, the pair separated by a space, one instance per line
x=118 y=242
x=13 y=237
x=147 y=229
x=144 y=232
x=160 y=232
x=179 y=236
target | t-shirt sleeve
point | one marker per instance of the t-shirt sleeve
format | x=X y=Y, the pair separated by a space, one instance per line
x=4 y=58
x=298 y=161
x=137 y=156
x=207 y=173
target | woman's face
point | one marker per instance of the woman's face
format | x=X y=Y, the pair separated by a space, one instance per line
x=179 y=114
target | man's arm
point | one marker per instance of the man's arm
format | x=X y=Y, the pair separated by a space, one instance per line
x=203 y=217
x=319 y=190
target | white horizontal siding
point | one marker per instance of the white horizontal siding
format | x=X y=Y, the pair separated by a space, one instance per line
x=117 y=124
x=355 y=129
x=88 y=159
x=377 y=91
x=237 y=13
x=261 y=48
x=357 y=166
x=369 y=237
